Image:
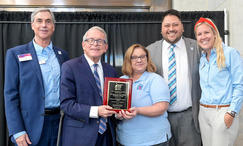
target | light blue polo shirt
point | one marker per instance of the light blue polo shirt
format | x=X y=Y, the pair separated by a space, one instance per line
x=150 y=88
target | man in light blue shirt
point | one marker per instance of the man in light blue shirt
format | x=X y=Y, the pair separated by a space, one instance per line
x=32 y=77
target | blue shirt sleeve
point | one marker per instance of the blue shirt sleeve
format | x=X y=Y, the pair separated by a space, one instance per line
x=236 y=71
x=18 y=134
x=159 y=90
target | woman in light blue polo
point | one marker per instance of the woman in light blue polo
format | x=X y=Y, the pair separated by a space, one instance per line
x=146 y=123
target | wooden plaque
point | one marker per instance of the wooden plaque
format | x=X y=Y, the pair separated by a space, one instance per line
x=118 y=93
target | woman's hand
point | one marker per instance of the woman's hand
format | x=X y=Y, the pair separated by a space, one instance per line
x=119 y=115
x=132 y=112
x=228 y=120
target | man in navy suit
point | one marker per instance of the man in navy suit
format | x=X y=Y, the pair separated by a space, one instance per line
x=81 y=98
x=32 y=77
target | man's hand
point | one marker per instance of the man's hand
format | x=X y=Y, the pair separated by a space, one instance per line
x=23 y=140
x=105 y=111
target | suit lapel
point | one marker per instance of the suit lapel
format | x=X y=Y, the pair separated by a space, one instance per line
x=190 y=52
x=84 y=66
x=160 y=56
x=105 y=70
x=35 y=63
x=59 y=55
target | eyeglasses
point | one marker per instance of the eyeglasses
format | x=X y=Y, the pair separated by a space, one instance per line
x=92 y=41
x=142 y=58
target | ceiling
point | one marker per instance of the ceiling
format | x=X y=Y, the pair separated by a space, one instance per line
x=78 y=3
x=134 y=5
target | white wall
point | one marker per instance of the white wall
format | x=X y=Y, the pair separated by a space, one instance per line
x=235 y=17
x=235 y=26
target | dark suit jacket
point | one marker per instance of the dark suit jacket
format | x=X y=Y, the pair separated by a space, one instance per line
x=24 y=91
x=193 y=54
x=78 y=93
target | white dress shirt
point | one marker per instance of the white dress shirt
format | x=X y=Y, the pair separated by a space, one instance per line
x=94 y=109
x=183 y=77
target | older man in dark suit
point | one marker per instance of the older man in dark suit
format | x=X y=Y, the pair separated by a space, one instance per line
x=87 y=122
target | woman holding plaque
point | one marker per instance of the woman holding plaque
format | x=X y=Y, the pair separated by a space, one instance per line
x=146 y=122
x=221 y=81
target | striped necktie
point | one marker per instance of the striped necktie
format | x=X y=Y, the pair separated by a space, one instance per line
x=172 y=74
x=102 y=125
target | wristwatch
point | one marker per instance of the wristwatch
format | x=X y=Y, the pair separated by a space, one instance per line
x=231 y=113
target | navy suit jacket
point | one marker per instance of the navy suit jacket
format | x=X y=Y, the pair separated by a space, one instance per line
x=24 y=91
x=78 y=93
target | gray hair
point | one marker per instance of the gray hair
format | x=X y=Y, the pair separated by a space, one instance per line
x=42 y=10
x=98 y=28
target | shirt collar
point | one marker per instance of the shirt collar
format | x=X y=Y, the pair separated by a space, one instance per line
x=39 y=49
x=90 y=62
x=143 y=76
x=178 y=43
x=212 y=52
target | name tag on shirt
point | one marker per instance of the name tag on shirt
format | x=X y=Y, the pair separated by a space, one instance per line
x=42 y=62
x=24 y=57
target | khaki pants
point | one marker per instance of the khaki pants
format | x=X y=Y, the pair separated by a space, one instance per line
x=214 y=132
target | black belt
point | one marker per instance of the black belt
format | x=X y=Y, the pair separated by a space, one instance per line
x=52 y=111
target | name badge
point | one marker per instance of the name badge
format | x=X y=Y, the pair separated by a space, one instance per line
x=42 y=62
x=24 y=57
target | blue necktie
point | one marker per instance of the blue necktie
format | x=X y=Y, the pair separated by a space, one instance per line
x=102 y=125
x=172 y=74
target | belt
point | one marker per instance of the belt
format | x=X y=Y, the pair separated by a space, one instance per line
x=214 y=106
x=52 y=111
x=180 y=111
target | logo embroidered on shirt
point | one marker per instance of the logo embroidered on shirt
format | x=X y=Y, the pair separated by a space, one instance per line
x=140 y=87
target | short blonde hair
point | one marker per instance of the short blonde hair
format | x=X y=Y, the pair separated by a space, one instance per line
x=127 y=64
x=217 y=44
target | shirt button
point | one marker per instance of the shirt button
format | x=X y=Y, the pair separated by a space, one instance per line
x=98 y=122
